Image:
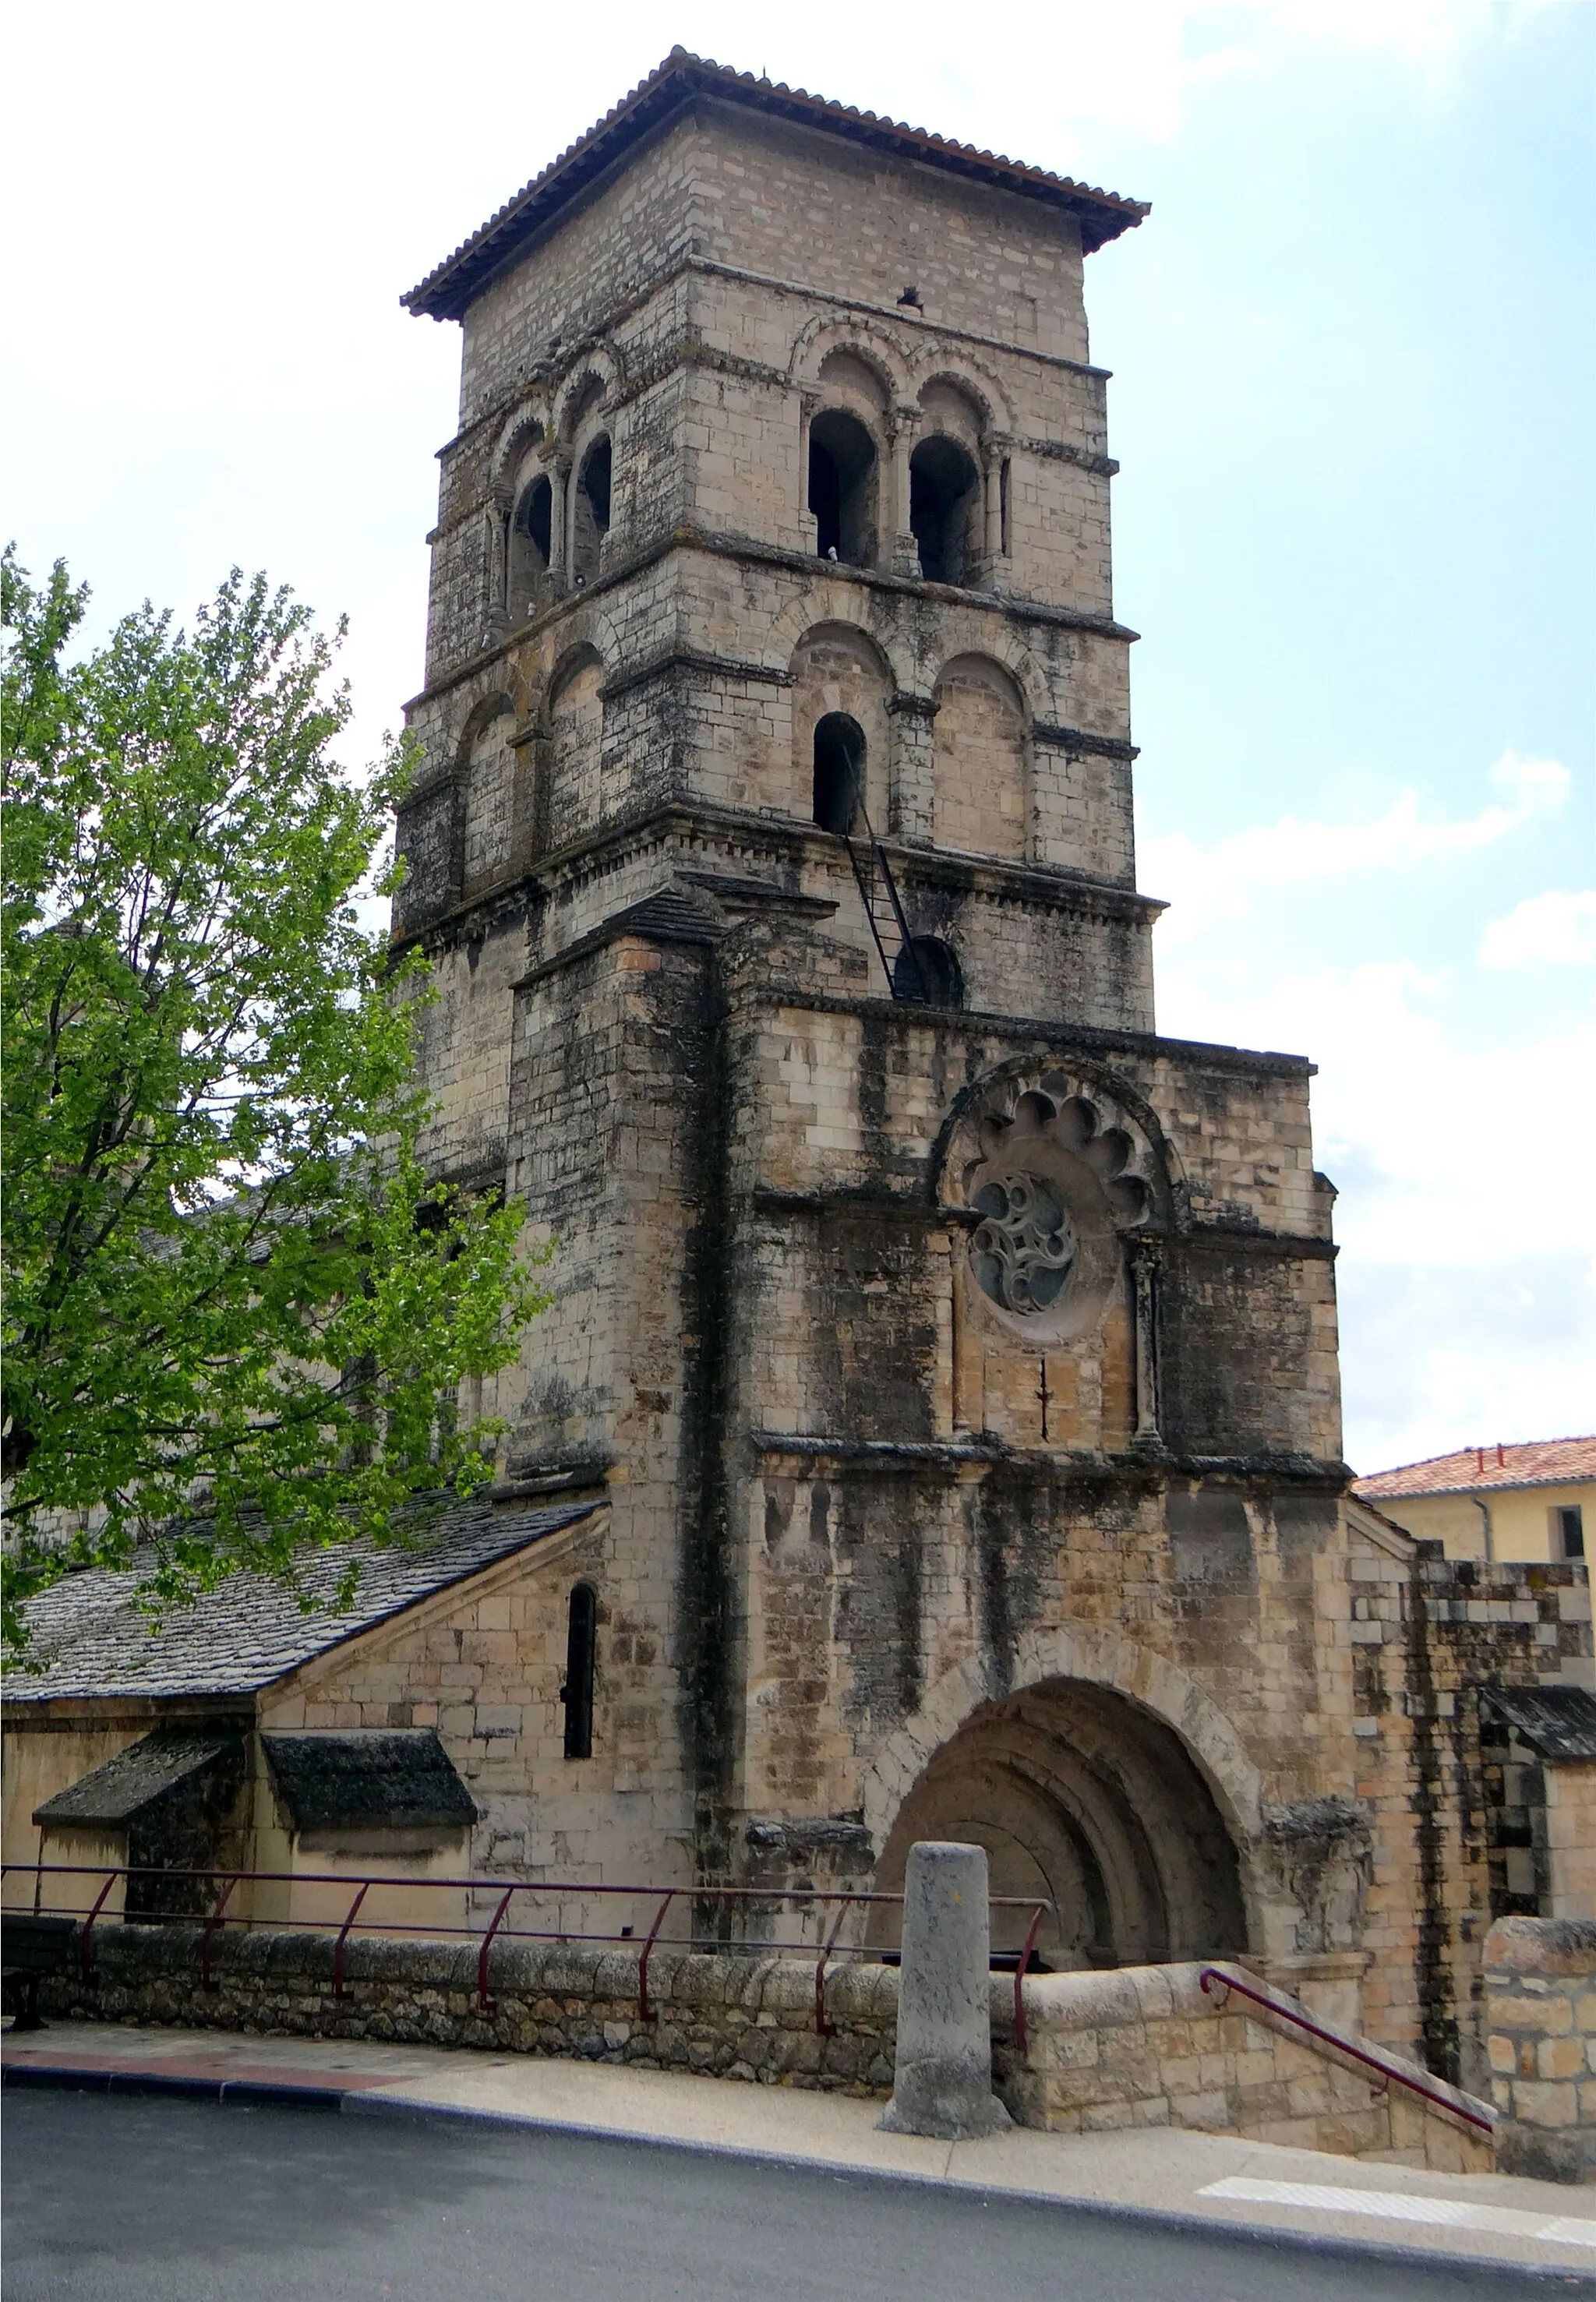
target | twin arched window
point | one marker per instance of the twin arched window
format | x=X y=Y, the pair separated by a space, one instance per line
x=540 y=523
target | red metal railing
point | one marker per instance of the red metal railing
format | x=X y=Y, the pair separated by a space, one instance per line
x=731 y=1899
x=1212 y=1974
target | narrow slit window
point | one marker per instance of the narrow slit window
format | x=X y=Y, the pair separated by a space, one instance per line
x=1571 y=1530
x=577 y=1693
x=1002 y=508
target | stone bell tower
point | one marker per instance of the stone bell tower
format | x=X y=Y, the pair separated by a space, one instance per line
x=957 y=1358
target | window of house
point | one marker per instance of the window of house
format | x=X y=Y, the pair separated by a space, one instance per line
x=842 y=487
x=1568 y=1527
x=944 y=503
x=591 y=521
x=839 y=772
x=577 y=1693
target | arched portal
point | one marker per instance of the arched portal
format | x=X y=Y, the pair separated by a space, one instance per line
x=1083 y=1798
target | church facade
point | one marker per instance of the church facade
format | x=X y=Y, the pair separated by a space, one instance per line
x=954 y=1358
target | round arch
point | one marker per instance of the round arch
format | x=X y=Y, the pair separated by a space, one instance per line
x=592 y=383
x=522 y=433
x=1098 y=1656
x=1085 y=1800
x=864 y=338
x=964 y=375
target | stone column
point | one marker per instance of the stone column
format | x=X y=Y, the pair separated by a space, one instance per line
x=500 y=618
x=559 y=511
x=992 y=453
x=943 y=2083
x=903 y=431
x=1144 y=1269
x=808 y=527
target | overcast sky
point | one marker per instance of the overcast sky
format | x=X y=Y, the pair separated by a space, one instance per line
x=1353 y=356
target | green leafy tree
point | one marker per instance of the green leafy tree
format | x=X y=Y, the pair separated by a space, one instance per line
x=235 y=1310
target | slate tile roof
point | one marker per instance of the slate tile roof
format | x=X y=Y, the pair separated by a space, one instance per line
x=450 y=287
x=136 y=1778
x=1557 y=1722
x=1537 y=1463
x=398 y=1777
x=90 y=1638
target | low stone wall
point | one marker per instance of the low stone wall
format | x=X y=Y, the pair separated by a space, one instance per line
x=738 y=2018
x=1140 y=2047
x=1148 y=2046
x=1540 y=2043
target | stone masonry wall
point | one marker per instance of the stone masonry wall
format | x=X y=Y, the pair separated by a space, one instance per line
x=1147 y=2046
x=1428 y=1635
x=1541 y=2042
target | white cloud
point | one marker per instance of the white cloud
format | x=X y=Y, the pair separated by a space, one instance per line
x=1556 y=929
x=1467 y=1269
x=1204 y=883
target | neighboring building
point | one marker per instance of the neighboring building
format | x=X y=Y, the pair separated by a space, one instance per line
x=1536 y=1500
x=943 y=1362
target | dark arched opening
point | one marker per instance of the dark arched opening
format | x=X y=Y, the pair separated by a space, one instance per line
x=842 y=487
x=530 y=531
x=591 y=521
x=942 y=483
x=1085 y=1799
x=577 y=1693
x=839 y=772
x=928 y=969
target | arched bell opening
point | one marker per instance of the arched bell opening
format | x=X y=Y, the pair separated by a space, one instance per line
x=591 y=521
x=530 y=531
x=1084 y=1801
x=842 y=487
x=839 y=772
x=944 y=505
x=927 y=971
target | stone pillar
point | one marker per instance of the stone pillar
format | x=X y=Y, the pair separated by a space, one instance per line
x=1144 y=1283
x=905 y=551
x=809 y=403
x=911 y=790
x=559 y=513
x=942 y=2084
x=992 y=455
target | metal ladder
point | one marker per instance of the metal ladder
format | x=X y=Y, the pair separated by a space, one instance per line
x=906 y=978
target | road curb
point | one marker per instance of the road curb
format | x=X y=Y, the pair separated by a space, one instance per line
x=68 y=2078
x=357 y=2102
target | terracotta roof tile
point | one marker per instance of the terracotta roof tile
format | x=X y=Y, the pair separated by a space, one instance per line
x=1536 y=1463
x=450 y=287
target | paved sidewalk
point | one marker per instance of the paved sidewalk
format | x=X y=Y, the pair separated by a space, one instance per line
x=1205 y=2178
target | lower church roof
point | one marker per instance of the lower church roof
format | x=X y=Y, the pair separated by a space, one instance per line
x=89 y=1636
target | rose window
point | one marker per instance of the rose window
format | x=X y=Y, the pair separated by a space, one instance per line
x=1024 y=1249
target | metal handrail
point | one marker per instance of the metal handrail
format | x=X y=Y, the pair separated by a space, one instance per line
x=1212 y=1974
x=214 y=1922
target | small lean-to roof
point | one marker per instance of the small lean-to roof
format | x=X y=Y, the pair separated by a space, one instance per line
x=448 y=288
x=89 y=1637
x=393 y=1779
x=136 y=1777
x=1557 y=1722
x=1474 y=1470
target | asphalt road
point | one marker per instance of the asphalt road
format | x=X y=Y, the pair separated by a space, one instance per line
x=142 y=2199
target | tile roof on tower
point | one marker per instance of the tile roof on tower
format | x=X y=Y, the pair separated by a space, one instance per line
x=450 y=287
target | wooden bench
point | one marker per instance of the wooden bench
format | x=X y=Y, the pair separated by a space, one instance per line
x=31 y=1946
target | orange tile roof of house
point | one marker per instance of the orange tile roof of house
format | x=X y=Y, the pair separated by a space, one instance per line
x=1536 y=1463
